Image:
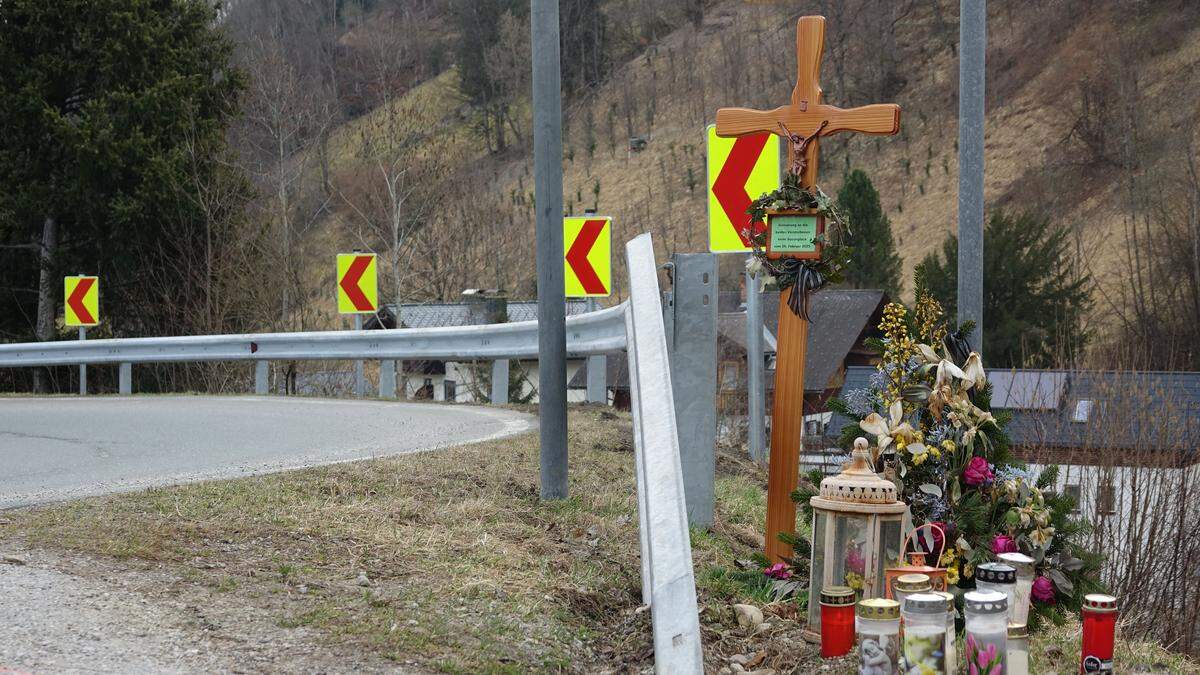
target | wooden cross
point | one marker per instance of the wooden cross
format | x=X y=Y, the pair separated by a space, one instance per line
x=800 y=123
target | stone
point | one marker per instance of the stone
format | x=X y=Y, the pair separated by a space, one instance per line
x=740 y=659
x=748 y=615
x=362 y=579
x=13 y=560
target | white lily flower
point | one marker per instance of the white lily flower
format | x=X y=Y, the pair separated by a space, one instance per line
x=928 y=354
x=973 y=370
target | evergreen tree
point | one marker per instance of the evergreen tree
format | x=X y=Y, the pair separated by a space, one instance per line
x=1034 y=300
x=112 y=111
x=874 y=262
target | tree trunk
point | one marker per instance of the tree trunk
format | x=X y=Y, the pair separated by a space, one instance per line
x=46 y=304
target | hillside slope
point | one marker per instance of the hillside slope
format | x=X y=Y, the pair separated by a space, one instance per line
x=1089 y=106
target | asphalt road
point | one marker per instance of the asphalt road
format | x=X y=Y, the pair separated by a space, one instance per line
x=55 y=448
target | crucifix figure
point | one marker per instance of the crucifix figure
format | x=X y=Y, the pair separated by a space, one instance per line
x=801 y=123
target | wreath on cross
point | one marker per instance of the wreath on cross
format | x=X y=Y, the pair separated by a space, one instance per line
x=807 y=276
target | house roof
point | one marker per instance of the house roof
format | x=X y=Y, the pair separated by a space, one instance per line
x=437 y=314
x=1085 y=409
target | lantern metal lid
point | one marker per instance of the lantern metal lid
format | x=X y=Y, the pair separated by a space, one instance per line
x=858 y=488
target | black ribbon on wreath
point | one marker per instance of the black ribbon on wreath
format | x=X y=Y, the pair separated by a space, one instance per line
x=804 y=280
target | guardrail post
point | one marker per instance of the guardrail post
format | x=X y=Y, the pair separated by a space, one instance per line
x=694 y=374
x=82 y=366
x=667 y=576
x=500 y=381
x=360 y=387
x=756 y=430
x=597 y=371
x=387 y=378
x=261 y=372
x=125 y=379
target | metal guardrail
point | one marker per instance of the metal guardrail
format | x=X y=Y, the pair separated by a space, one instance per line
x=668 y=581
x=587 y=334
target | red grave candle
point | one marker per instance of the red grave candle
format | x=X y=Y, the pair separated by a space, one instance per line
x=837 y=621
x=1099 y=629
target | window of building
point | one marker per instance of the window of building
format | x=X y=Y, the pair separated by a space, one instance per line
x=729 y=375
x=1074 y=493
x=451 y=390
x=1106 y=498
x=1083 y=411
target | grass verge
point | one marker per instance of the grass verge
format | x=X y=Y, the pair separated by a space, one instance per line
x=466 y=570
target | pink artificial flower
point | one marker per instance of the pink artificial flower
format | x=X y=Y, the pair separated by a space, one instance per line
x=778 y=571
x=977 y=472
x=855 y=561
x=984 y=656
x=1043 y=589
x=1002 y=543
x=939 y=533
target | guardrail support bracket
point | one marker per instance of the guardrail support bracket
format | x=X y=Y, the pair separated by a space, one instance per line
x=125 y=379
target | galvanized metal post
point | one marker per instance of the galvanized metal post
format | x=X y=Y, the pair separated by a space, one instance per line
x=668 y=581
x=972 y=50
x=597 y=370
x=694 y=376
x=500 y=381
x=82 y=366
x=125 y=379
x=547 y=161
x=262 y=371
x=360 y=386
x=387 y=378
x=756 y=394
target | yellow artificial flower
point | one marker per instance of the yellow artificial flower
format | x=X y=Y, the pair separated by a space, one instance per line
x=854 y=580
x=952 y=575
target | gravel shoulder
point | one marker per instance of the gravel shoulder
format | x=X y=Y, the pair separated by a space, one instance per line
x=68 y=613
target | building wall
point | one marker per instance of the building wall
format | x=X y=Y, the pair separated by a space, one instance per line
x=468 y=388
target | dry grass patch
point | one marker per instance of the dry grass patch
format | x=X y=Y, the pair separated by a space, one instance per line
x=467 y=570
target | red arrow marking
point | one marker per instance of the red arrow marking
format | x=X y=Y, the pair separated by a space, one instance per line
x=577 y=257
x=349 y=283
x=76 y=300
x=730 y=186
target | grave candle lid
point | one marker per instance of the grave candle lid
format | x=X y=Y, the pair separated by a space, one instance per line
x=986 y=602
x=1098 y=602
x=879 y=609
x=836 y=596
x=913 y=583
x=1022 y=563
x=996 y=573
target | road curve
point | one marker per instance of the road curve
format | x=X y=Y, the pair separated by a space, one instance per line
x=55 y=448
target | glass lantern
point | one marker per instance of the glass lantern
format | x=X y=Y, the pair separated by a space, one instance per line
x=856 y=530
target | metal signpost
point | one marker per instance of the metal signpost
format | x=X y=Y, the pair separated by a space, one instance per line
x=357 y=294
x=547 y=172
x=972 y=52
x=81 y=308
x=587 y=269
x=740 y=169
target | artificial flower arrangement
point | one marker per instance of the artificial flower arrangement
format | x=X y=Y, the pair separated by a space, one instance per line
x=928 y=410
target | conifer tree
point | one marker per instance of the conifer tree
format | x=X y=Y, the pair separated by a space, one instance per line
x=874 y=262
x=1034 y=300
